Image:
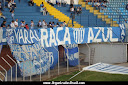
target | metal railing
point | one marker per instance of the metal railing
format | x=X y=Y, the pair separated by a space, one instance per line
x=8 y=65
x=5 y=72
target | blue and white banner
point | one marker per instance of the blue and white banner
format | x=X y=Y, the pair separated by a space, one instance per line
x=107 y=68
x=123 y=32
x=37 y=66
x=24 y=37
x=35 y=56
x=3 y=40
x=72 y=52
x=65 y=35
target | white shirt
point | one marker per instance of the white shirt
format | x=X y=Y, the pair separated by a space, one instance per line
x=44 y=25
x=32 y=25
x=64 y=24
x=72 y=9
x=9 y=5
x=13 y=14
x=12 y=25
x=12 y=2
x=16 y=23
x=98 y=4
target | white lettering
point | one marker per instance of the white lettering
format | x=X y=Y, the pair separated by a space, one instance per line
x=90 y=35
x=111 y=38
x=52 y=38
x=44 y=36
x=59 y=42
x=97 y=34
x=103 y=35
x=67 y=36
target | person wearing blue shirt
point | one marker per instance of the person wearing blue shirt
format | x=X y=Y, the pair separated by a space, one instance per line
x=42 y=4
x=42 y=9
x=126 y=21
x=127 y=7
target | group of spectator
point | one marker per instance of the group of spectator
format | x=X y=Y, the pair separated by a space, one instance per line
x=31 y=3
x=44 y=24
x=11 y=5
x=59 y=3
x=98 y=4
x=41 y=24
x=13 y=24
x=76 y=10
x=43 y=9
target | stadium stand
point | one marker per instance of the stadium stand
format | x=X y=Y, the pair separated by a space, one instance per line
x=56 y=13
x=101 y=15
x=116 y=9
x=86 y=18
x=27 y=13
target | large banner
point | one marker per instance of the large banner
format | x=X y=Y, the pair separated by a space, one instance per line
x=3 y=40
x=72 y=52
x=35 y=57
x=107 y=68
x=65 y=35
x=37 y=66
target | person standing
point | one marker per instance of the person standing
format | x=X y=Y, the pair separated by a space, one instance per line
x=1 y=15
x=44 y=24
x=64 y=24
x=3 y=24
x=13 y=24
x=22 y=24
x=16 y=23
x=1 y=8
x=19 y=1
x=32 y=24
x=127 y=7
x=27 y=27
x=13 y=15
x=39 y=24
x=71 y=3
x=72 y=17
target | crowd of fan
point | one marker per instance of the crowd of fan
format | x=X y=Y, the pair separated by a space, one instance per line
x=11 y=5
x=98 y=4
x=40 y=24
x=76 y=10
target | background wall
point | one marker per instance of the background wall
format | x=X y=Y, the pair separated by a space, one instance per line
x=106 y=53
